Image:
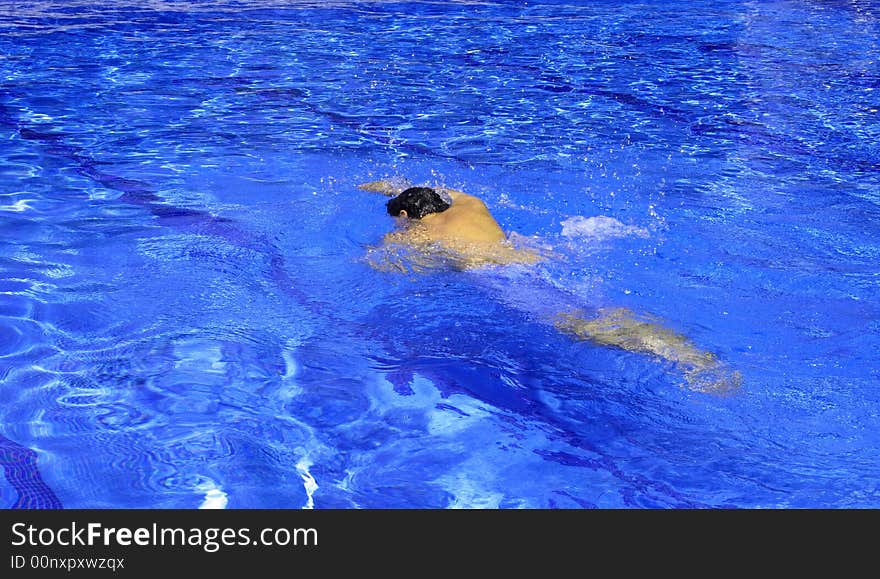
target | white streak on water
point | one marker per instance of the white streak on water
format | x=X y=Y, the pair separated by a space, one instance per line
x=215 y=498
x=198 y=355
x=599 y=227
x=289 y=387
x=470 y=495
x=302 y=467
x=290 y=365
x=18 y=206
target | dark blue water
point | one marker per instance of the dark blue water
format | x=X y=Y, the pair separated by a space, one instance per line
x=187 y=316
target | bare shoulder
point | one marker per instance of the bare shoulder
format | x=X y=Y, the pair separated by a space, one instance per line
x=462 y=199
x=454 y=194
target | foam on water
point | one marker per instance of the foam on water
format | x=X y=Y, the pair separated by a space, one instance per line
x=599 y=228
x=309 y=483
x=215 y=497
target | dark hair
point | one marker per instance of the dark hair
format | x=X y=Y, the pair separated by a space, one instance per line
x=417 y=202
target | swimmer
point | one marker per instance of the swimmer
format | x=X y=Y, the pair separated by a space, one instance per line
x=449 y=222
x=460 y=226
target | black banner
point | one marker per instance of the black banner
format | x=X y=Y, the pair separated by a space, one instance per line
x=134 y=542
x=117 y=542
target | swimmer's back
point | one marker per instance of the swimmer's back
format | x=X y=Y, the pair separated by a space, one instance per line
x=464 y=233
x=466 y=221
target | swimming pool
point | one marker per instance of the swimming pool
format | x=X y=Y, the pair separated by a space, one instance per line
x=188 y=319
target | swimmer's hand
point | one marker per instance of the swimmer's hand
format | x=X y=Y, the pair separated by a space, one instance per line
x=388 y=187
x=622 y=328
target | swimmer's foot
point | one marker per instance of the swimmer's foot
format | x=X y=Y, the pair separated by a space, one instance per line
x=389 y=187
x=623 y=328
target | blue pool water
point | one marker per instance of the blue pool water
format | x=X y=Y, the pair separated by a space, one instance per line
x=188 y=318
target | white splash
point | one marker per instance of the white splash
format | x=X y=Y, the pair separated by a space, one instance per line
x=290 y=365
x=215 y=498
x=199 y=355
x=18 y=206
x=289 y=386
x=599 y=227
x=470 y=494
x=309 y=482
x=60 y=270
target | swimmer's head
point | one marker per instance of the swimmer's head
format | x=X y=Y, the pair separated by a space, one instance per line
x=416 y=202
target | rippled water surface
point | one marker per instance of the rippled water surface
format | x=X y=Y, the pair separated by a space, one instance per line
x=187 y=316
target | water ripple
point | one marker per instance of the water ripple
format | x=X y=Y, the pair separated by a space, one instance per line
x=186 y=319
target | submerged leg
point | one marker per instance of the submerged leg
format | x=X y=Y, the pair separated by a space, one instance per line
x=622 y=328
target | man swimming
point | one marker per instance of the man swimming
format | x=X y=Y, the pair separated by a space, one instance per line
x=461 y=228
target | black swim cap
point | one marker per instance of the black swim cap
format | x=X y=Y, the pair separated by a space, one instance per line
x=417 y=202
